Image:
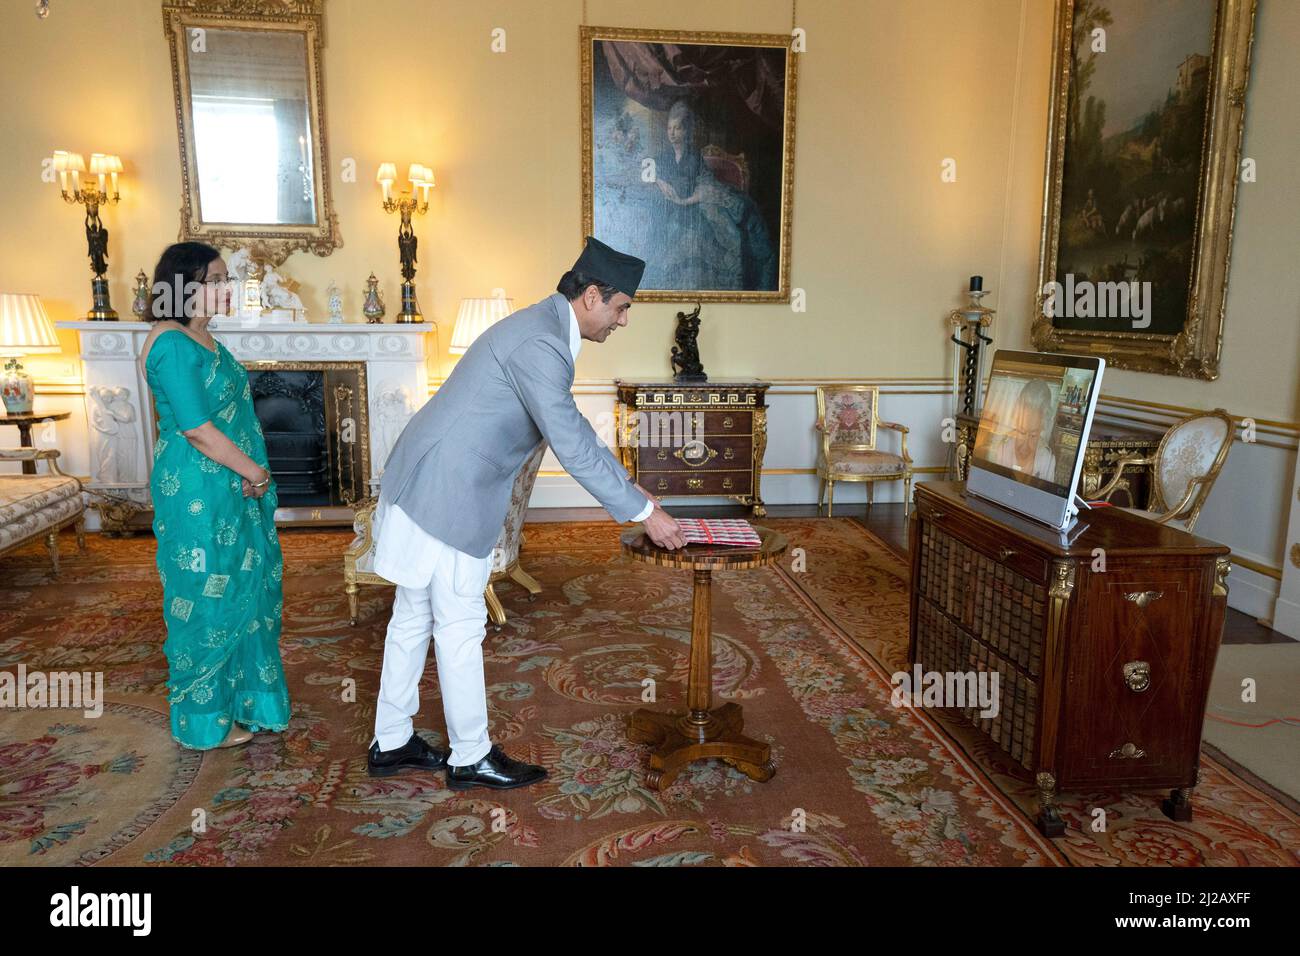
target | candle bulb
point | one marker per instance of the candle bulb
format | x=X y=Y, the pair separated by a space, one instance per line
x=61 y=164
x=387 y=173
x=977 y=283
x=78 y=166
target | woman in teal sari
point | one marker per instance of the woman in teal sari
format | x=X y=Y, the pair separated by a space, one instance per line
x=214 y=504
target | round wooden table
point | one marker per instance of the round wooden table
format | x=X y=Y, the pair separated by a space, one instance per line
x=25 y=421
x=702 y=730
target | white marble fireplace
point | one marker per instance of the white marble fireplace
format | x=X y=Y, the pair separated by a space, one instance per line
x=119 y=412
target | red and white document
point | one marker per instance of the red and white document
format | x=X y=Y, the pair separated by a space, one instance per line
x=736 y=532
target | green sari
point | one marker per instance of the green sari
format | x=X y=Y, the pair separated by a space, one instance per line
x=218 y=553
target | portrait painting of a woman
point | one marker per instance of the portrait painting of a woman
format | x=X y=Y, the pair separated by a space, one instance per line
x=687 y=161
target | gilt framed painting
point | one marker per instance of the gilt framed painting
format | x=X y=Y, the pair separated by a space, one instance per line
x=1143 y=166
x=688 y=159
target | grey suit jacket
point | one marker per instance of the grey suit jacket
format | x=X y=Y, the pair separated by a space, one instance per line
x=452 y=468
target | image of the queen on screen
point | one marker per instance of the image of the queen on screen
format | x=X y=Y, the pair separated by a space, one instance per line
x=1022 y=439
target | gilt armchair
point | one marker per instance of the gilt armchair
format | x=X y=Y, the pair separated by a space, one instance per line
x=39 y=506
x=847 y=421
x=359 y=558
x=1184 y=468
x=731 y=168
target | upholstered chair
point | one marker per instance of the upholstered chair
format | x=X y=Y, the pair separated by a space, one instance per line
x=847 y=421
x=1184 y=468
x=730 y=168
x=36 y=507
x=505 y=556
x=359 y=558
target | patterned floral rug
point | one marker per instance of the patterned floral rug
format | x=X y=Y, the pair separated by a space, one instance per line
x=808 y=652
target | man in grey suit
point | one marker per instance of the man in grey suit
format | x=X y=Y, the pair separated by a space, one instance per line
x=444 y=496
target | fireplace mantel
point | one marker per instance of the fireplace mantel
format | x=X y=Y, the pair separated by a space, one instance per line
x=120 y=414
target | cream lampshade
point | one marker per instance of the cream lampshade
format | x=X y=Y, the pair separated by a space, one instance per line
x=25 y=329
x=476 y=315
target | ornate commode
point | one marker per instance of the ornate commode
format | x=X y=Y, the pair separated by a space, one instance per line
x=694 y=440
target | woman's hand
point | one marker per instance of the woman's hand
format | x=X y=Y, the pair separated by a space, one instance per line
x=667 y=189
x=256 y=489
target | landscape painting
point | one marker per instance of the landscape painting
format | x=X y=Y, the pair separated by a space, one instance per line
x=1141 y=185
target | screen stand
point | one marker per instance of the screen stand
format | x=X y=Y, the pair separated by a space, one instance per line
x=1072 y=513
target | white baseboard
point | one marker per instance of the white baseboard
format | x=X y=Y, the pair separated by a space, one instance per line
x=1286 y=618
x=1251 y=592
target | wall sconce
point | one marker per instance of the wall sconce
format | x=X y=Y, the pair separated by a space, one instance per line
x=92 y=194
x=420 y=181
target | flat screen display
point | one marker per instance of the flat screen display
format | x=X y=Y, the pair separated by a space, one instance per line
x=1033 y=429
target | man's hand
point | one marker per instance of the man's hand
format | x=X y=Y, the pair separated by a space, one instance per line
x=663 y=529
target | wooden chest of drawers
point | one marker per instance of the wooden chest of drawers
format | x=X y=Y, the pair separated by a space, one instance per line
x=694 y=440
x=1104 y=646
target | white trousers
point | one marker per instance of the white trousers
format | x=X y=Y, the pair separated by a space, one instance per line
x=451 y=609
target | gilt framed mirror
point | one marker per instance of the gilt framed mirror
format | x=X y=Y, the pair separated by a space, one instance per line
x=250 y=120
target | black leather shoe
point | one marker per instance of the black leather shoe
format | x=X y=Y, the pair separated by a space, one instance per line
x=496 y=771
x=415 y=754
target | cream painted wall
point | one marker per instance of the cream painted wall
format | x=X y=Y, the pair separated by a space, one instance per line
x=882 y=247
x=887 y=90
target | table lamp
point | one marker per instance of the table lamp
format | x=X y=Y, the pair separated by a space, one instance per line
x=25 y=329
x=476 y=315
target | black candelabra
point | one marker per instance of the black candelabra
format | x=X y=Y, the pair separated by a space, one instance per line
x=970 y=339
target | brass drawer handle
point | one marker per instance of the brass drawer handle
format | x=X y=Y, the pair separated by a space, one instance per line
x=663 y=484
x=726 y=482
x=662 y=454
x=727 y=422
x=1143 y=598
x=694 y=482
x=695 y=453
x=729 y=454
x=1005 y=553
x=1137 y=675
x=1130 y=751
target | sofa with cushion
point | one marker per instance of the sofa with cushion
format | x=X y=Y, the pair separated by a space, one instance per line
x=39 y=506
